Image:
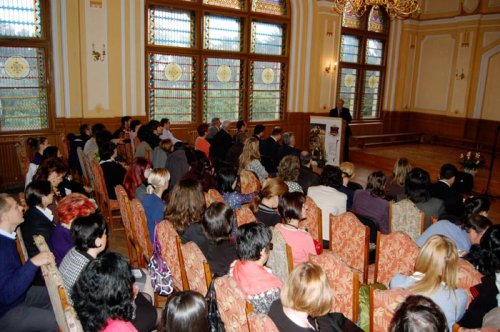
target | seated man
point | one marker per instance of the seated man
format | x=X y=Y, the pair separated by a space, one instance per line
x=22 y=307
x=453 y=200
x=112 y=171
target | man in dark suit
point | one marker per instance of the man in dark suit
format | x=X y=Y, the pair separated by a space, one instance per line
x=343 y=112
x=307 y=177
x=269 y=150
x=288 y=147
x=221 y=142
x=453 y=201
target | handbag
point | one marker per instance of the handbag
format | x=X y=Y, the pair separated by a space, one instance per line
x=214 y=321
x=161 y=277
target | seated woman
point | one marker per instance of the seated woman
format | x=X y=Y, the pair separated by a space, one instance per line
x=348 y=168
x=435 y=276
x=153 y=203
x=201 y=171
x=250 y=159
x=418 y=313
x=113 y=171
x=135 y=180
x=185 y=311
x=396 y=185
x=486 y=257
x=265 y=205
x=37 y=146
x=292 y=209
x=144 y=149
x=305 y=303
x=288 y=171
x=256 y=281
x=201 y=143
x=218 y=249
x=226 y=185
x=371 y=202
x=52 y=170
x=70 y=207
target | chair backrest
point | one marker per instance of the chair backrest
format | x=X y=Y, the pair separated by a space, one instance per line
x=100 y=184
x=249 y=182
x=404 y=216
x=66 y=317
x=21 y=247
x=212 y=196
x=22 y=156
x=344 y=283
x=467 y=276
x=261 y=323
x=349 y=239
x=171 y=253
x=126 y=214
x=140 y=225
x=313 y=222
x=197 y=269
x=65 y=145
x=231 y=302
x=280 y=258
x=244 y=215
x=84 y=166
x=396 y=253
x=383 y=304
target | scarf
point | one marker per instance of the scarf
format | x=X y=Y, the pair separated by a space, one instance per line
x=254 y=279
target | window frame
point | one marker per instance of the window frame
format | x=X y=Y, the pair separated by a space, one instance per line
x=362 y=67
x=45 y=43
x=199 y=9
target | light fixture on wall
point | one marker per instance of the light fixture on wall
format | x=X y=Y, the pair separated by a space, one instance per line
x=460 y=76
x=329 y=67
x=98 y=56
x=395 y=8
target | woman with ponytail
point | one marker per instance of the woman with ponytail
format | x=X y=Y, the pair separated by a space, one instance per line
x=154 y=205
x=265 y=205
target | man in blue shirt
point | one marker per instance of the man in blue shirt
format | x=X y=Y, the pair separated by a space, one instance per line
x=22 y=307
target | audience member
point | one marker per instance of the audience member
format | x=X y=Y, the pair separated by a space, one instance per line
x=166 y=133
x=241 y=131
x=161 y=152
x=418 y=314
x=261 y=287
x=233 y=153
x=37 y=146
x=76 y=142
x=250 y=159
x=344 y=188
x=90 y=149
x=23 y=307
x=201 y=143
x=226 y=185
x=177 y=164
x=155 y=130
x=396 y=185
x=453 y=200
x=135 y=179
x=307 y=177
x=258 y=131
x=435 y=276
x=475 y=225
x=292 y=209
x=265 y=205
x=214 y=128
x=221 y=142
x=113 y=171
x=327 y=196
x=186 y=312
x=269 y=148
x=288 y=148
x=152 y=201
x=288 y=171
x=134 y=128
x=52 y=170
x=348 y=168
x=143 y=149
x=452 y=229
x=371 y=203
x=203 y=172
x=124 y=127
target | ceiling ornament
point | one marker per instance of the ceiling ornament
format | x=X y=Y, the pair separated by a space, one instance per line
x=400 y=9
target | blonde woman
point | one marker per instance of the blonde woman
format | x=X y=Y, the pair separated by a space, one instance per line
x=305 y=303
x=265 y=205
x=396 y=186
x=436 y=277
x=154 y=206
x=250 y=159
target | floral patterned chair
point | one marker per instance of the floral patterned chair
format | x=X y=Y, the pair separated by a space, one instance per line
x=231 y=302
x=383 y=304
x=140 y=226
x=261 y=323
x=22 y=156
x=396 y=253
x=313 y=222
x=280 y=258
x=404 y=216
x=197 y=270
x=249 y=183
x=212 y=196
x=172 y=254
x=349 y=239
x=244 y=215
x=467 y=276
x=124 y=204
x=344 y=282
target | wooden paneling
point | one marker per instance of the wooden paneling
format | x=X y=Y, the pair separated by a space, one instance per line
x=10 y=171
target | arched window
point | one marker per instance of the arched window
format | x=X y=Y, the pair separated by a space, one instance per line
x=24 y=62
x=217 y=58
x=362 y=62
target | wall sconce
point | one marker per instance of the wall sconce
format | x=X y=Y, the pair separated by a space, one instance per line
x=329 y=67
x=99 y=56
x=460 y=76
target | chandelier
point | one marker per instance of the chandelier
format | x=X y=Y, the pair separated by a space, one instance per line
x=394 y=8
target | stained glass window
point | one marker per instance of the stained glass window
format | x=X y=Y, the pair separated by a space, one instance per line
x=222 y=33
x=349 y=49
x=172 y=87
x=222 y=89
x=347 y=87
x=376 y=20
x=374 y=52
x=371 y=94
x=20 y=18
x=171 y=27
x=237 y=4
x=266 y=90
x=275 y=7
x=267 y=38
x=350 y=20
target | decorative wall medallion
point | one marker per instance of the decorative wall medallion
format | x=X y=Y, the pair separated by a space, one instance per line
x=349 y=80
x=373 y=82
x=17 y=67
x=470 y=6
x=173 y=71
x=223 y=73
x=268 y=76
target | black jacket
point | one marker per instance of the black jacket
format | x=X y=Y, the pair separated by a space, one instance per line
x=453 y=201
x=35 y=223
x=344 y=114
x=269 y=149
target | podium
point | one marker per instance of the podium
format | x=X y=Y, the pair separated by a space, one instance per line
x=326 y=140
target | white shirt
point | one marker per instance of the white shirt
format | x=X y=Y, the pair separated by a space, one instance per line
x=7 y=234
x=167 y=134
x=329 y=200
x=46 y=212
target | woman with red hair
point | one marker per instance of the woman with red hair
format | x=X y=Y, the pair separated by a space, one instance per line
x=70 y=207
x=135 y=180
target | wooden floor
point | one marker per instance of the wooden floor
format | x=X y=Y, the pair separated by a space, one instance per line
x=428 y=157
